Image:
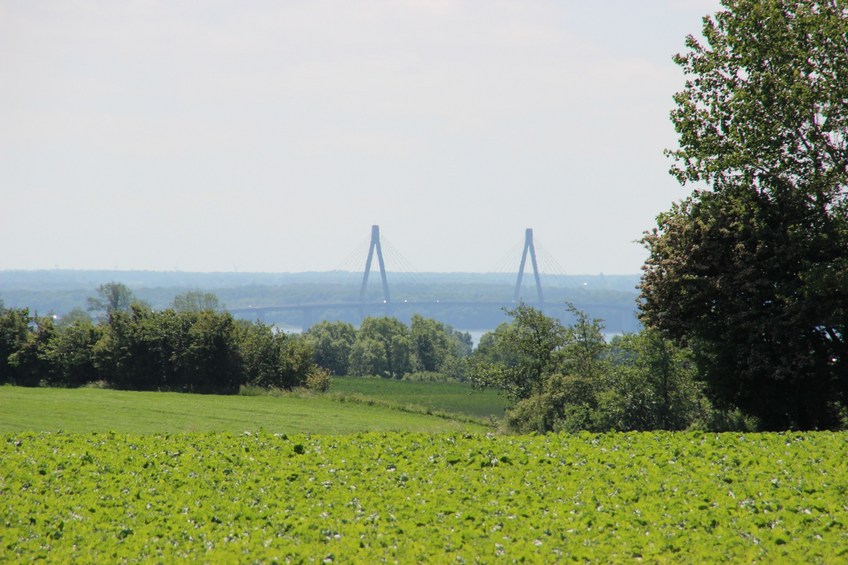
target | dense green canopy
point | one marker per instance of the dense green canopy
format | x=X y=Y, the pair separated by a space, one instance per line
x=751 y=270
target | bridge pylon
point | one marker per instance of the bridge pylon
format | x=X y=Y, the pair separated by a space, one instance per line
x=375 y=246
x=530 y=249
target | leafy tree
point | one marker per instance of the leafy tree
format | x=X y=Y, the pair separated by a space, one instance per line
x=584 y=350
x=296 y=364
x=137 y=350
x=259 y=353
x=14 y=333
x=70 y=353
x=29 y=362
x=385 y=342
x=567 y=378
x=489 y=349
x=332 y=343
x=111 y=297
x=432 y=342
x=566 y=395
x=454 y=368
x=462 y=341
x=518 y=356
x=274 y=359
x=210 y=363
x=751 y=271
x=195 y=301
x=652 y=386
x=367 y=357
x=73 y=316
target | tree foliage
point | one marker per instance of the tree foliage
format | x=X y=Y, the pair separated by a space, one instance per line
x=437 y=347
x=29 y=362
x=563 y=369
x=14 y=333
x=140 y=349
x=518 y=356
x=568 y=378
x=751 y=271
x=112 y=297
x=274 y=359
x=652 y=385
x=332 y=343
x=196 y=301
x=70 y=354
x=386 y=347
x=431 y=342
x=382 y=347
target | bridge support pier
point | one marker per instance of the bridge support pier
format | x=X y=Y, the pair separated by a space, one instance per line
x=531 y=249
x=375 y=246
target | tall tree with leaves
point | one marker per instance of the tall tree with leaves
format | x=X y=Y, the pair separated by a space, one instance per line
x=518 y=357
x=112 y=297
x=432 y=342
x=751 y=270
x=196 y=301
x=332 y=343
x=382 y=348
x=14 y=335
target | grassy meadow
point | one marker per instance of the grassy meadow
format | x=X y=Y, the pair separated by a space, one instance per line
x=88 y=410
x=451 y=397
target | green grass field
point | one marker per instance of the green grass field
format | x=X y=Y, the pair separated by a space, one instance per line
x=445 y=397
x=94 y=410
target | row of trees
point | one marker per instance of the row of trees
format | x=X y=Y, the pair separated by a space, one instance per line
x=387 y=347
x=188 y=348
x=194 y=347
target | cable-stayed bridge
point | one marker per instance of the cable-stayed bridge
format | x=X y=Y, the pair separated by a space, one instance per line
x=527 y=288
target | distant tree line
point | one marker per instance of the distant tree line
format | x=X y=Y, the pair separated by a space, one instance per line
x=193 y=346
x=189 y=347
x=426 y=349
x=559 y=377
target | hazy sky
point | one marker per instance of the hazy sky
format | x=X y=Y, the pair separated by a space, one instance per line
x=270 y=135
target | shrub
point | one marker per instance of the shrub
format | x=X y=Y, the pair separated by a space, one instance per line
x=319 y=379
x=426 y=377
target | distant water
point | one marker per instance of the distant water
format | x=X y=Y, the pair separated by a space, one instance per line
x=477 y=334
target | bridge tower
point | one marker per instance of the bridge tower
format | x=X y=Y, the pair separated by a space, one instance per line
x=375 y=245
x=529 y=247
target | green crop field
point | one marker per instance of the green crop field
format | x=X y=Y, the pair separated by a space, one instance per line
x=448 y=397
x=94 y=410
x=416 y=497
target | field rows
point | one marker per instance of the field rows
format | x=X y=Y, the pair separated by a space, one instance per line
x=412 y=497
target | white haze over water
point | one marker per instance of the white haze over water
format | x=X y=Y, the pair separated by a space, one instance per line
x=270 y=136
